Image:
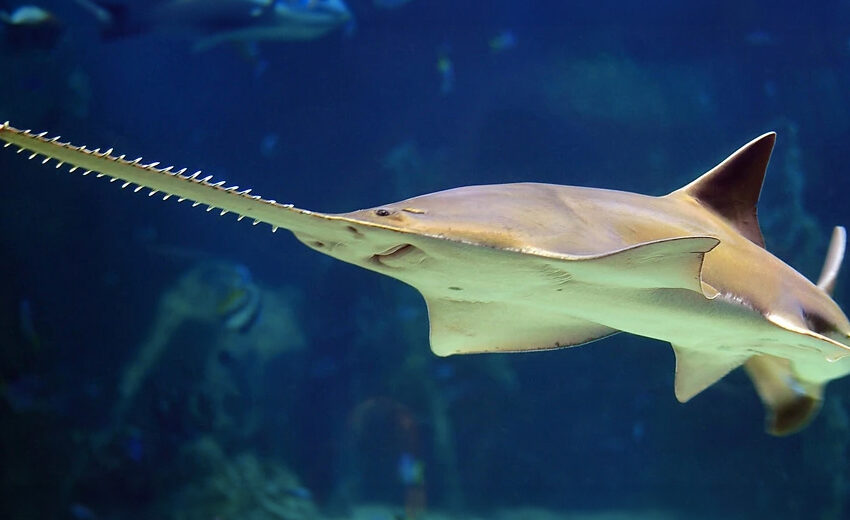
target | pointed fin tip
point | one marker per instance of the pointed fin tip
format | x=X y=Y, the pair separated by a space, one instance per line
x=469 y=327
x=832 y=262
x=790 y=404
x=696 y=370
x=666 y=263
x=792 y=416
x=732 y=188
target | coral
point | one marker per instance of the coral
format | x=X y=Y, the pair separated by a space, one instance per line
x=216 y=294
x=240 y=487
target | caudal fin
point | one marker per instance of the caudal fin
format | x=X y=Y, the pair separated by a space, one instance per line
x=790 y=404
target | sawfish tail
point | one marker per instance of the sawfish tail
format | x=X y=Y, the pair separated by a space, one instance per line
x=165 y=181
x=790 y=404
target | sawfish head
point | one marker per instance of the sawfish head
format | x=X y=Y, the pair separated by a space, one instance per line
x=530 y=218
x=402 y=233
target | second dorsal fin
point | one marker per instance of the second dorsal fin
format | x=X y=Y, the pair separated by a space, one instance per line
x=731 y=189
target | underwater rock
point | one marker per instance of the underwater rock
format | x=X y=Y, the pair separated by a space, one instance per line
x=624 y=514
x=258 y=323
x=381 y=512
x=239 y=487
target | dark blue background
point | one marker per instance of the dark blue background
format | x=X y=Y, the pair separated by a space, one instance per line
x=641 y=96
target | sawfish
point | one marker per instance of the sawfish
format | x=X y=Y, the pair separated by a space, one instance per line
x=528 y=266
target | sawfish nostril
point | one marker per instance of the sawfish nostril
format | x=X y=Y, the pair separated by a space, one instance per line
x=395 y=250
x=394 y=253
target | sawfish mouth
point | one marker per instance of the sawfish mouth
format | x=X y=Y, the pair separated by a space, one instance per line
x=389 y=256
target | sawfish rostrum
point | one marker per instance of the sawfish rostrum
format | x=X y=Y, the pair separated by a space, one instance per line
x=522 y=267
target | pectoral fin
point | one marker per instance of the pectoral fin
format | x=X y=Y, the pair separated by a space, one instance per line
x=673 y=263
x=464 y=327
x=696 y=370
x=791 y=404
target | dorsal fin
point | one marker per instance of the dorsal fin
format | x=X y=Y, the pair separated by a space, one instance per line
x=832 y=263
x=731 y=189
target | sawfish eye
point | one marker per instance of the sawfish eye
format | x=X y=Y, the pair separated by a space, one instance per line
x=382 y=212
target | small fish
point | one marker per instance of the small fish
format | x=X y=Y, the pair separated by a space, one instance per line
x=134 y=448
x=446 y=70
x=411 y=471
x=81 y=512
x=26 y=323
x=760 y=38
x=240 y=308
x=503 y=41
x=27 y=15
x=31 y=27
x=299 y=492
x=268 y=145
x=389 y=4
x=213 y=22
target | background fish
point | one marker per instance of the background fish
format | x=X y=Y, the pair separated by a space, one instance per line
x=212 y=22
x=30 y=27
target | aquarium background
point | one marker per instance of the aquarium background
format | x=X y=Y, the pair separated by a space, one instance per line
x=162 y=362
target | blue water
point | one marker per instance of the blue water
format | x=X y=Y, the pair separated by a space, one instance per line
x=332 y=399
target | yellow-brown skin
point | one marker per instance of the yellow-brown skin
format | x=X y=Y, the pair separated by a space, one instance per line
x=494 y=239
x=588 y=221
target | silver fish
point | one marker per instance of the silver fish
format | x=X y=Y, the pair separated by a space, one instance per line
x=212 y=22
